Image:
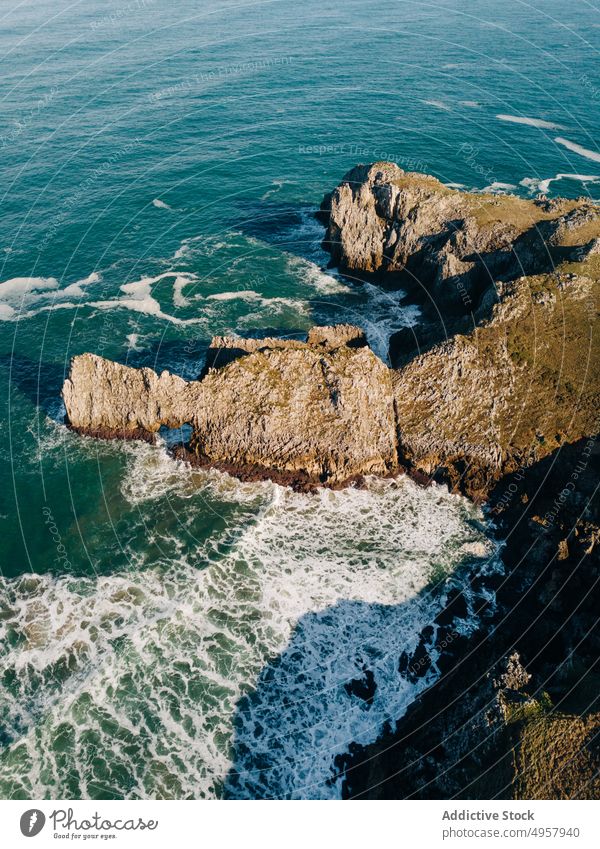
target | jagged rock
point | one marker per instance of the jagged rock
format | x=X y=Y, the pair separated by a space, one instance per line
x=114 y=400
x=454 y=245
x=325 y=414
x=224 y=349
x=513 y=675
x=293 y=411
x=467 y=412
x=479 y=406
x=334 y=336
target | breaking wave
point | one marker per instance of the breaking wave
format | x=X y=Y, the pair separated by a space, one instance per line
x=227 y=667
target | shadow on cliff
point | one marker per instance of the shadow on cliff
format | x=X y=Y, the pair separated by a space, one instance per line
x=346 y=673
x=445 y=746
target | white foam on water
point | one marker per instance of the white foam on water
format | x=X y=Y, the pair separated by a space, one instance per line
x=132 y=342
x=16 y=287
x=382 y=316
x=324 y=282
x=472 y=104
x=141 y=299
x=180 y=282
x=439 y=104
x=535 y=185
x=221 y=670
x=499 y=188
x=277 y=185
x=593 y=155
x=25 y=293
x=275 y=310
x=154 y=474
x=207 y=245
x=530 y=122
x=241 y=294
x=77 y=289
x=147 y=306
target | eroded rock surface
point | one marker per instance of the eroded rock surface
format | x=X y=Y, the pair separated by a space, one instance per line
x=117 y=400
x=523 y=383
x=296 y=411
x=467 y=412
x=453 y=245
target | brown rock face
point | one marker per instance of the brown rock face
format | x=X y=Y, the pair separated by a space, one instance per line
x=101 y=395
x=294 y=411
x=325 y=413
x=467 y=412
x=510 y=392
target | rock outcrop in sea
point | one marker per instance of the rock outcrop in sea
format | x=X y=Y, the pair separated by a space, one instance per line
x=327 y=410
x=320 y=411
x=495 y=392
x=450 y=250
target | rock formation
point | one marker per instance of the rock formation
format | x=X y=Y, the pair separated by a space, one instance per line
x=509 y=389
x=448 y=249
x=104 y=398
x=452 y=245
x=513 y=390
x=467 y=412
x=319 y=411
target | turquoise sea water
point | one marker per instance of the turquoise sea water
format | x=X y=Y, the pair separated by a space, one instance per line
x=176 y=634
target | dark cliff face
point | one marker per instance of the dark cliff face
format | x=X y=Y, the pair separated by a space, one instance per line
x=516 y=712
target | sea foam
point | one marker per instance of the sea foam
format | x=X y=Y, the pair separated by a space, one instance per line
x=224 y=667
x=530 y=122
x=593 y=155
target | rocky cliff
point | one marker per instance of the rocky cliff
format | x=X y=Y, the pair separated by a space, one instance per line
x=510 y=392
x=449 y=250
x=320 y=411
x=516 y=711
x=452 y=245
x=104 y=398
x=327 y=410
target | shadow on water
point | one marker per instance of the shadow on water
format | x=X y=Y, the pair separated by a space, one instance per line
x=347 y=672
x=290 y=226
x=40 y=382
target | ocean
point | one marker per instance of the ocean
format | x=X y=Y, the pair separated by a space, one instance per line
x=174 y=633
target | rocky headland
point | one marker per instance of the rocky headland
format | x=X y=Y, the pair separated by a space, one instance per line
x=496 y=393
x=327 y=410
